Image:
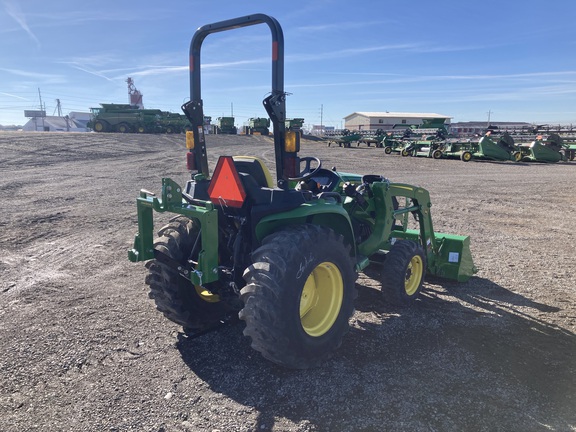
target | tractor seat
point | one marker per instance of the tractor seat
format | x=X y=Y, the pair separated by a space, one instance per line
x=264 y=197
x=255 y=168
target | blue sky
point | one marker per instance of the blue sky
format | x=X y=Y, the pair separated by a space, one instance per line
x=516 y=60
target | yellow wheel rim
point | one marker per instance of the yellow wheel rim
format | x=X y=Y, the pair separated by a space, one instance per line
x=321 y=299
x=467 y=156
x=206 y=295
x=98 y=127
x=414 y=274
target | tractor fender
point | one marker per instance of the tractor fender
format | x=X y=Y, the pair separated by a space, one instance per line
x=321 y=212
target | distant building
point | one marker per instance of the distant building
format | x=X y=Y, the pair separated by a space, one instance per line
x=74 y=122
x=390 y=120
x=80 y=119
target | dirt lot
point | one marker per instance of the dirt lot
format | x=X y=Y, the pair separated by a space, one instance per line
x=83 y=349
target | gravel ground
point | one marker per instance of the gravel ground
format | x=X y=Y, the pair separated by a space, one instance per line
x=83 y=349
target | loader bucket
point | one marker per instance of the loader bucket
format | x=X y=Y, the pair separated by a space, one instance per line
x=454 y=259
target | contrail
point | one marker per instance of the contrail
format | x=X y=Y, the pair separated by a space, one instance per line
x=14 y=11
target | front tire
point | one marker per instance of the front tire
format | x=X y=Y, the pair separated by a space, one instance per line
x=299 y=296
x=466 y=156
x=403 y=273
x=193 y=307
x=100 y=126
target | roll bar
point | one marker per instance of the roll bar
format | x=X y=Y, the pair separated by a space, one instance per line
x=275 y=104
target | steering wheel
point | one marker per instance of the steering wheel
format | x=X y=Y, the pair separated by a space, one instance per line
x=307 y=172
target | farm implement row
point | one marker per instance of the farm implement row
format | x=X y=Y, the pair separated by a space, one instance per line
x=495 y=147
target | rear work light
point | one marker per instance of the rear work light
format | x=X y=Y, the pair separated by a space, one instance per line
x=190 y=140
x=292 y=141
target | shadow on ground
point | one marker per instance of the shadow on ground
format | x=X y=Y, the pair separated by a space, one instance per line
x=472 y=356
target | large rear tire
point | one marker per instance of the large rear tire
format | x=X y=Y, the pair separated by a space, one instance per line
x=403 y=273
x=193 y=307
x=299 y=296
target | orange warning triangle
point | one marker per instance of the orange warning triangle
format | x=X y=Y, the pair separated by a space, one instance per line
x=225 y=187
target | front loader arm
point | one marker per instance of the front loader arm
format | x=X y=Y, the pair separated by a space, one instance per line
x=386 y=214
x=447 y=255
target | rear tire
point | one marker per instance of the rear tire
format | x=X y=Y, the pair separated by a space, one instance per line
x=299 y=296
x=403 y=273
x=194 y=308
x=387 y=149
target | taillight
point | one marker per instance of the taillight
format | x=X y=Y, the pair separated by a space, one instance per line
x=190 y=161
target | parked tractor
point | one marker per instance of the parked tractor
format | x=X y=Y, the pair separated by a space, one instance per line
x=393 y=144
x=569 y=150
x=283 y=255
x=424 y=148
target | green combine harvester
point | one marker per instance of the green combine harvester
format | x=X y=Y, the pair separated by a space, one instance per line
x=125 y=118
x=294 y=124
x=283 y=255
x=258 y=126
x=225 y=125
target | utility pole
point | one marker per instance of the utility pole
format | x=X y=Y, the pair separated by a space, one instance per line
x=321 y=119
x=42 y=111
x=489 y=112
x=59 y=107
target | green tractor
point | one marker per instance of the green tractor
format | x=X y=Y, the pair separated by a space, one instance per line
x=283 y=256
